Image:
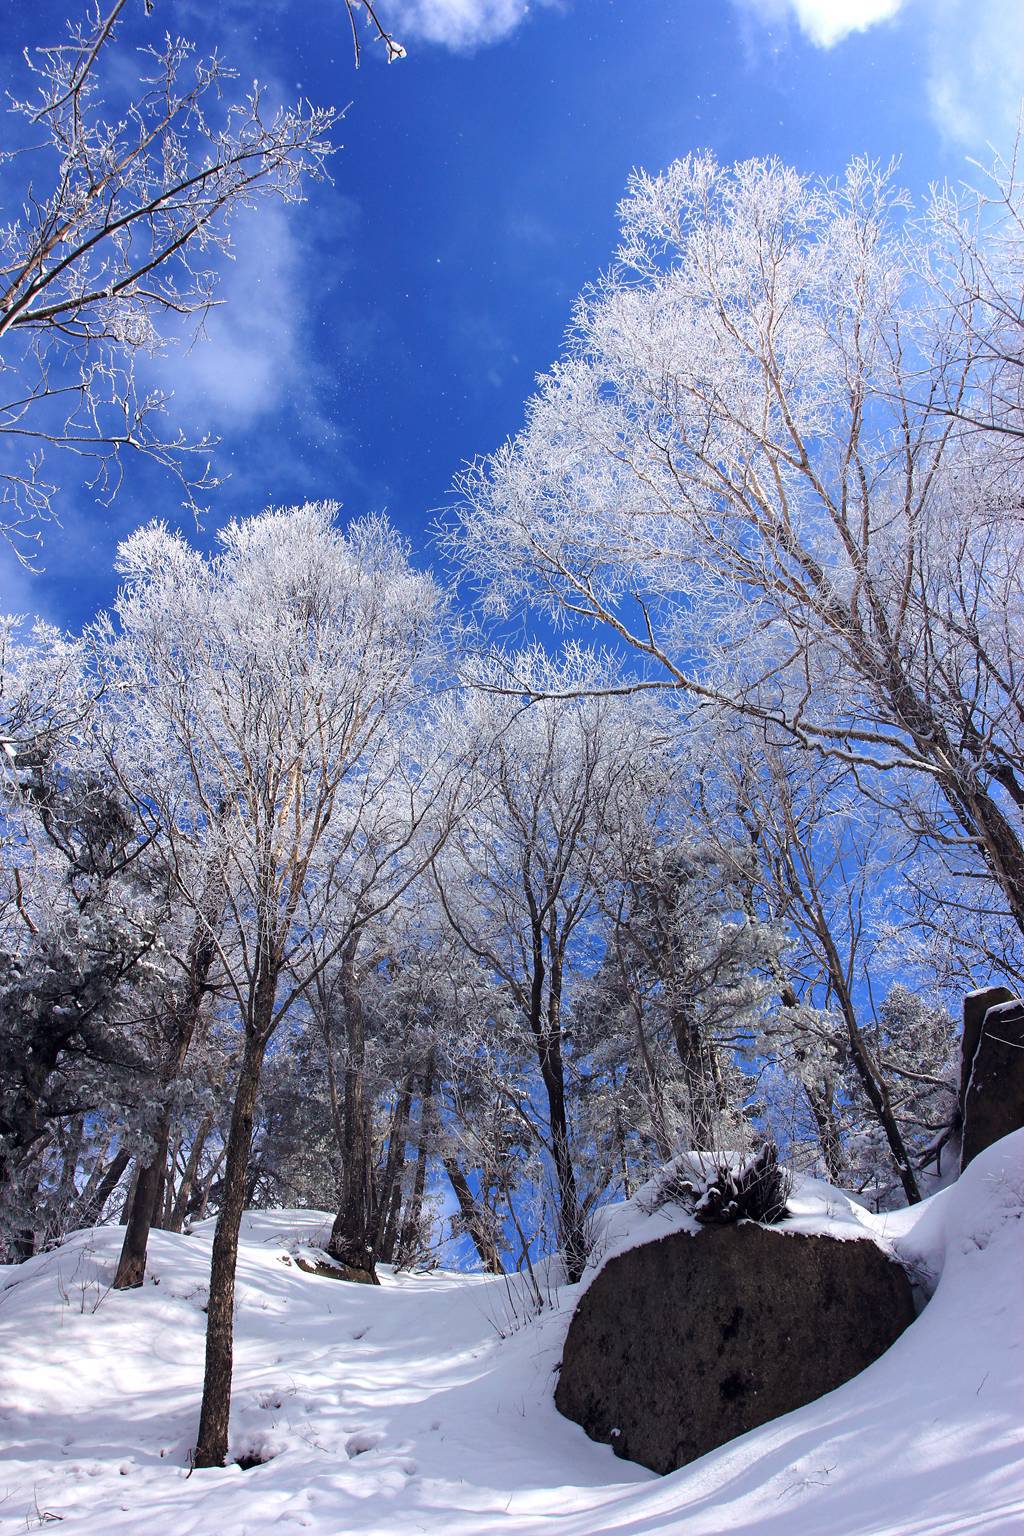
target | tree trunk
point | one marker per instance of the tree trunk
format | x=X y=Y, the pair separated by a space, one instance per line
x=212 y=1444
x=699 y=1077
x=96 y=1194
x=656 y=1100
x=874 y=1087
x=547 y=1032
x=147 y=1199
x=176 y=1219
x=131 y=1266
x=389 y=1202
x=475 y=1221
x=408 y=1243
x=351 y=1241
x=823 y=1109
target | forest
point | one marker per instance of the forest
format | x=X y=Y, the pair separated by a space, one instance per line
x=668 y=793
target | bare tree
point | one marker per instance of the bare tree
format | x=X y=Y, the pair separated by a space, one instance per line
x=127 y=210
x=519 y=879
x=251 y=697
x=369 y=11
x=749 y=468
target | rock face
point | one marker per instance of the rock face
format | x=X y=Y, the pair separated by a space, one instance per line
x=682 y=1344
x=992 y=1077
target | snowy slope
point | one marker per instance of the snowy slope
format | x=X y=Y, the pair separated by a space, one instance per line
x=401 y=1410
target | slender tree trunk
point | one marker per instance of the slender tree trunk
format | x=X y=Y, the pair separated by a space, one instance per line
x=176 y=1219
x=169 y=1192
x=99 y=1190
x=212 y=1444
x=71 y=1149
x=408 y=1243
x=475 y=1221
x=547 y=1030
x=147 y=1199
x=699 y=1078
x=659 y=1124
x=129 y=1199
x=131 y=1266
x=871 y=1078
x=955 y=774
x=822 y=1107
x=389 y=1203
x=620 y=1142
x=351 y=1241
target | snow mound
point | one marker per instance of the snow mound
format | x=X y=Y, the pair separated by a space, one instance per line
x=379 y=1411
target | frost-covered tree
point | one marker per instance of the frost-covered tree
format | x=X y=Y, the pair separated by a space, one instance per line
x=521 y=875
x=746 y=467
x=691 y=969
x=81 y=906
x=130 y=190
x=253 y=692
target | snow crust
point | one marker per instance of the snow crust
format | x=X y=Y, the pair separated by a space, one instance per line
x=400 y=1409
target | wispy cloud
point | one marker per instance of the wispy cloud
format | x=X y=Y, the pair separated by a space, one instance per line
x=252 y=353
x=973 y=52
x=825 y=22
x=975 y=67
x=460 y=24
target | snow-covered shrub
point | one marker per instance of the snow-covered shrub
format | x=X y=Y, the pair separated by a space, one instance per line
x=719 y=1188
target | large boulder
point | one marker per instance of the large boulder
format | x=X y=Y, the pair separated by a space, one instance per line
x=992 y=1074
x=681 y=1344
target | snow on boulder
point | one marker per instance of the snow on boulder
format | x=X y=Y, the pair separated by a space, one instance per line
x=681 y=1344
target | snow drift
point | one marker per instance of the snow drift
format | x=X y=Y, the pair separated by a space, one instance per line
x=381 y=1411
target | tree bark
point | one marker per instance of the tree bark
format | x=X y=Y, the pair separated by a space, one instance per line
x=873 y=1083
x=176 y=1219
x=474 y=1221
x=829 y=1140
x=701 y=1079
x=212 y=1444
x=351 y=1241
x=147 y=1198
x=95 y=1195
x=389 y=1202
x=547 y=1031
x=131 y=1266
x=408 y=1243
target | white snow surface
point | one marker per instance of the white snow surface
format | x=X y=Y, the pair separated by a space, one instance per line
x=400 y=1409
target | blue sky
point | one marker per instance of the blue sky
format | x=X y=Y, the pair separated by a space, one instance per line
x=389 y=329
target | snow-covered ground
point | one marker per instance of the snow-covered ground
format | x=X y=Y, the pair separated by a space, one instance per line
x=400 y=1409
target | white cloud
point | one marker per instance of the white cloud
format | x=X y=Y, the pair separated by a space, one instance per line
x=246 y=361
x=973 y=53
x=976 y=68
x=826 y=22
x=459 y=24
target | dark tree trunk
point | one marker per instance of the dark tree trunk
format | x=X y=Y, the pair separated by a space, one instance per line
x=871 y=1078
x=475 y=1221
x=408 y=1243
x=389 y=1201
x=547 y=1033
x=701 y=1078
x=98 y=1192
x=351 y=1241
x=168 y=1190
x=176 y=1220
x=131 y=1266
x=147 y=1199
x=212 y=1444
x=571 y=1238
x=822 y=1106
x=659 y=1123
